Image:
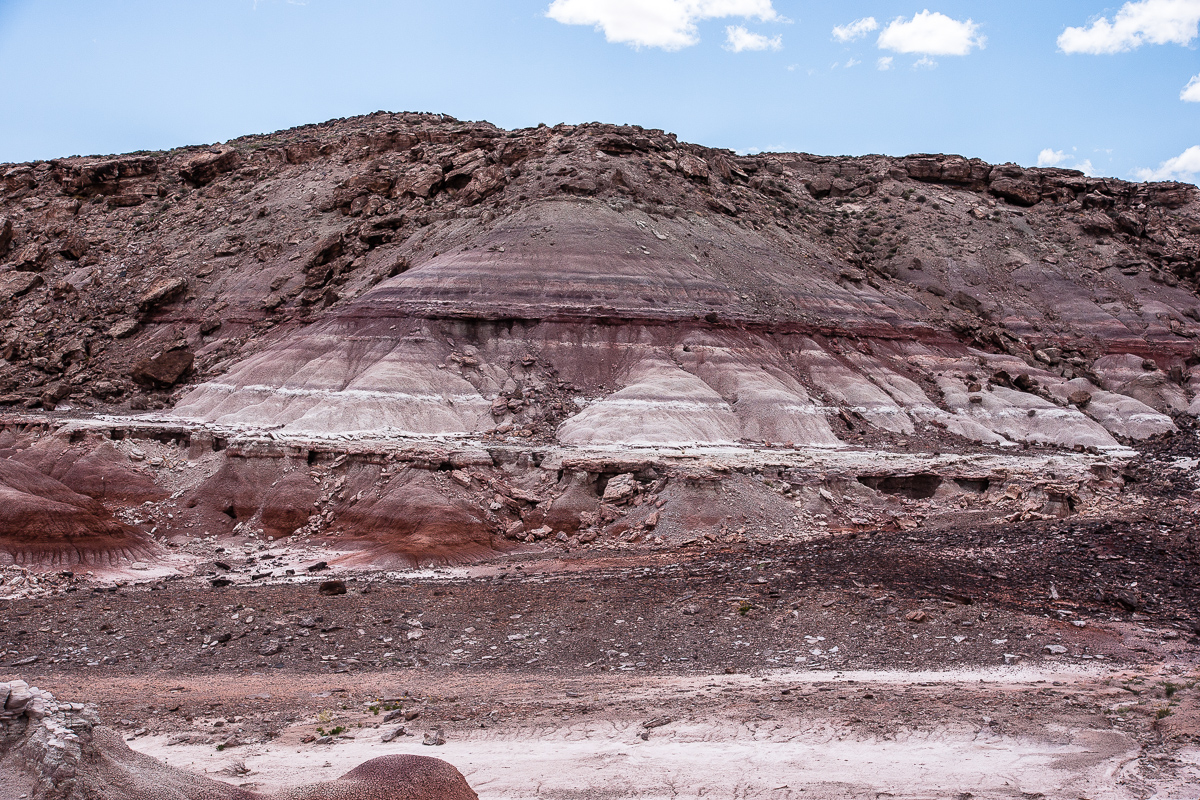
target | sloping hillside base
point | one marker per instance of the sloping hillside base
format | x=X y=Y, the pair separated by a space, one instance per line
x=388 y=502
x=45 y=525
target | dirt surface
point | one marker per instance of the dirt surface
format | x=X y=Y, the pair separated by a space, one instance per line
x=604 y=465
x=997 y=590
x=922 y=664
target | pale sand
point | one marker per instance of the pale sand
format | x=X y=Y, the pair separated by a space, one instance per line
x=716 y=756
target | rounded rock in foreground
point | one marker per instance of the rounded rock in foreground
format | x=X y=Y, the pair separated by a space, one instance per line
x=389 y=777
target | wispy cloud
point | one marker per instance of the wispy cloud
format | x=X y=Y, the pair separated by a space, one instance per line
x=1135 y=24
x=737 y=39
x=930 y=33
x=1184 y=166
x=884 y=63
x=1191 y=92
x=855 y=30
x=666 y=24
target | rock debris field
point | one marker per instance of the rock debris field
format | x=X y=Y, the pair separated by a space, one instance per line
x=407 y=456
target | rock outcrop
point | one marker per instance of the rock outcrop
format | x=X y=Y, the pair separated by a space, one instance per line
x=459 y=311
x=52 y=750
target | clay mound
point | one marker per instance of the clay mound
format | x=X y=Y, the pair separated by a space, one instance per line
x=386 y=777
x=94 y=468
x=279 y=496
x=45 y=524
x=413 y=522
x=51 y=751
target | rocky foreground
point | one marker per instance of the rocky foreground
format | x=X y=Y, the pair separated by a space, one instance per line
x=51 y=749
x=399 y=402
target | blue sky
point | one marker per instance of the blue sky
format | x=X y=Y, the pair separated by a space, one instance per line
x=86 y=77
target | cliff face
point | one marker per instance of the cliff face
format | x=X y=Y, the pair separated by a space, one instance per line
x=586 y=289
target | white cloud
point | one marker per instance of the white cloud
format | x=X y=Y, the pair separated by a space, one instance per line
x=737 y=39
x=1058 y=158
x=1051 y=158
x=1137 y=23
x=925 y=62
x=855 y=30
x=931 y=34
x=667 y=24
x=852 y=63
x=885 y=63
x=1182 y=167
x=1191 y=92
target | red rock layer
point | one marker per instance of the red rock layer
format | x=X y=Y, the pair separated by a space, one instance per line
x=45 y=524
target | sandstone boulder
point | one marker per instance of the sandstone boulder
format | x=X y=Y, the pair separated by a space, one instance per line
x=73 y=247
x=620 y=489
x=31 y=257
x=693 y=167
x=16 y=284
x=1020 y=192
x=164 y=370
x=204 y=168
x=1079 y=398
x=162 y=291
x=1097 y=222
x=124 y=328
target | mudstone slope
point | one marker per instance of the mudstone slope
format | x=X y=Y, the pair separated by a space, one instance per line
x=413 y=338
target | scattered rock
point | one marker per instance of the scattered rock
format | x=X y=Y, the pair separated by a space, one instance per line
x=17 y=284
x=162 y=291
x=333 y=587
x=620 y=489
x=124 y=328
x=1079 y=398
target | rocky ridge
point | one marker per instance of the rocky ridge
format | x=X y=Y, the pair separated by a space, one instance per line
x=416 y=337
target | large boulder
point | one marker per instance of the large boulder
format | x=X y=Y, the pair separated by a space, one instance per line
x=204 y=168
x=164 y=370
x=16 y=284
x=1020 y=192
